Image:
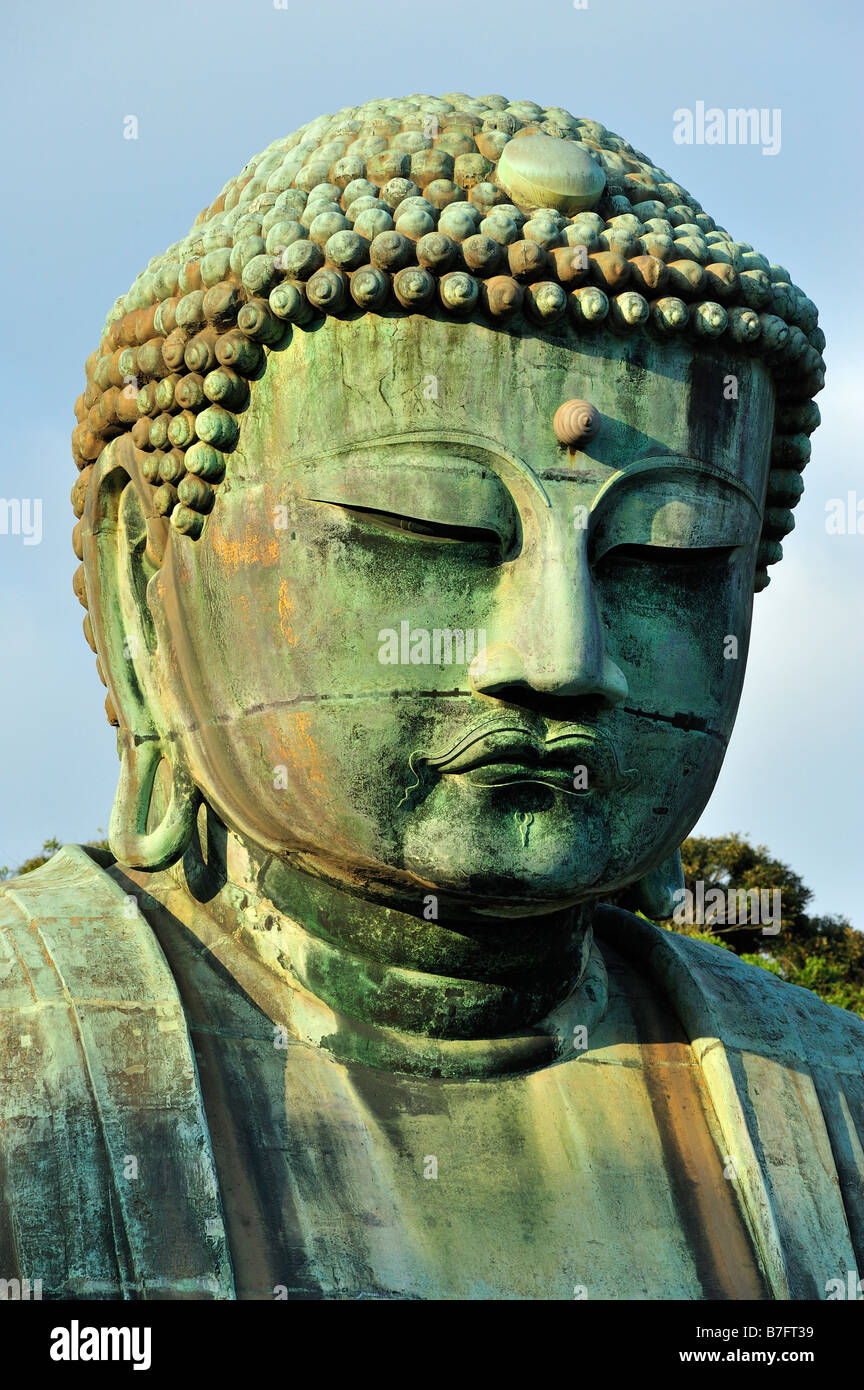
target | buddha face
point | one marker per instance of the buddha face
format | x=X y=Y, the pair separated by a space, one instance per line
x=422 y=647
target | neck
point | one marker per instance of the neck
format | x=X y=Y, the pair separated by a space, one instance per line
x=372 y=983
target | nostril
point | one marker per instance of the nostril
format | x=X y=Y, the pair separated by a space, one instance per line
x=610 y=685
x=494 y=666
x=501 y=670
x=614 y=681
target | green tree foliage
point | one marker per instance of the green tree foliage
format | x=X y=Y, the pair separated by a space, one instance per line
x=823 y=954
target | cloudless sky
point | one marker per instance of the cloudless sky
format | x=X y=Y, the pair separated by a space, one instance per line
x=211 y=83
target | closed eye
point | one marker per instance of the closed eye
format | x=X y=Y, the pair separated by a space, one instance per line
x=678 y=557
x=430 y=530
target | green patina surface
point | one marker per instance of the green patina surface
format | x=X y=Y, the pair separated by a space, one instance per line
x=419 y=562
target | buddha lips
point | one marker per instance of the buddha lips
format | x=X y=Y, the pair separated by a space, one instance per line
x=576 y=761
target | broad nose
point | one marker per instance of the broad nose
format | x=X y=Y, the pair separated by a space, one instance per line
x=548 y=636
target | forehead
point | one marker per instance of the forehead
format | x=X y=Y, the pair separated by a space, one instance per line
x=350 y=382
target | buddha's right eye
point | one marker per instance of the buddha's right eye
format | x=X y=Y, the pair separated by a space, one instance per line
x=436 y=531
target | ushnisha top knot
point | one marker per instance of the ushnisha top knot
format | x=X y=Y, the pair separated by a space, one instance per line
x=478 y=206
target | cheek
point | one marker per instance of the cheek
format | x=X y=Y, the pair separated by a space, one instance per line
x=674 y=771
x=681 y=638
x=292 y=725
x=309 y=609
x=298 y=777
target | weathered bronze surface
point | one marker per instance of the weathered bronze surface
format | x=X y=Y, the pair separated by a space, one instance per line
x=424 y=489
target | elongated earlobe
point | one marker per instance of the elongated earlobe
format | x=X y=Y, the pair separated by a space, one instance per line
x=131 y=843
x=654 y=895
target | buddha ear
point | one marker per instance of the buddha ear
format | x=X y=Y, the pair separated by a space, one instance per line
x=654 y=895
x=123 y=541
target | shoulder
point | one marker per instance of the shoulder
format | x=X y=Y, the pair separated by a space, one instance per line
x=97 y=1073
x=751 y=1008
x=61 y=885
x=69 y=932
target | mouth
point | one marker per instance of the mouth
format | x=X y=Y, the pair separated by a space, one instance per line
x=575 y=760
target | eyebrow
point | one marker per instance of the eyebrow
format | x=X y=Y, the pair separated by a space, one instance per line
x=610 y=480
x=652 y=463
x=450 y=440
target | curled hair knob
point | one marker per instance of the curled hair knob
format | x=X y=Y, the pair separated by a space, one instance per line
x=576 y=423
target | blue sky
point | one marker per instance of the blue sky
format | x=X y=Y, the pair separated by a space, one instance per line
x=212 y=83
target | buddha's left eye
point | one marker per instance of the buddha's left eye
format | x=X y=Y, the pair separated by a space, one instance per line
x=668 y=516
x=416 y=526
x=677 y=557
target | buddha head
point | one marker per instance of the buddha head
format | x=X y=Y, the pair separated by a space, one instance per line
x=424 y=489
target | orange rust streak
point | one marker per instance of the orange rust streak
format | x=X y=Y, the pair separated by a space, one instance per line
x=243 y=604
x=299 y=750
x=247 y=551
x=286 y=608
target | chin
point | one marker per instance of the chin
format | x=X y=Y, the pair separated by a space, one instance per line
x=519 y=879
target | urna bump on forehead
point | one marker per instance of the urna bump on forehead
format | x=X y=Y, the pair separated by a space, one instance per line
x=467 y=207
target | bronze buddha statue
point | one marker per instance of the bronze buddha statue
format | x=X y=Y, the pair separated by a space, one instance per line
x=424 y=490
